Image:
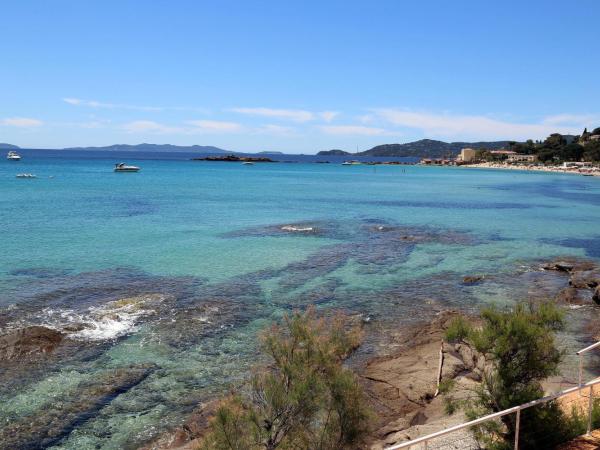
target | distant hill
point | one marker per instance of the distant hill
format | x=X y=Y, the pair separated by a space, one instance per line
x=154 y=148
x=429 y=148
x=270 y=153
x=334 y=152
x=4 y=146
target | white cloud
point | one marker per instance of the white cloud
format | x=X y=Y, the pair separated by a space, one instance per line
x=106 y=105
x=96 y=104
x=215 y=126
x=472 y=127
x=577 y=120
x=73 y=101
x=149 y=126
x=190 y=127
x=328 y=116
x=359 y=130
x=21 y=122
x=276 y=130
x=295 y=115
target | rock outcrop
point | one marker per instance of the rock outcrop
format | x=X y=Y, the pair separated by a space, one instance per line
x=401 y=387
x=584 y=280
x=28 y=342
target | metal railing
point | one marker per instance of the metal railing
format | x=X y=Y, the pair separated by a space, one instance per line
x=580 y=354
x=424 y=440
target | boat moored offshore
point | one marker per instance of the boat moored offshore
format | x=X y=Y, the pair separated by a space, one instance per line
x=13 y=156
x=122 y=167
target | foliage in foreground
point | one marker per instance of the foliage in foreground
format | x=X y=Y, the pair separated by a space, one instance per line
x=519 y=347
x=305 y=399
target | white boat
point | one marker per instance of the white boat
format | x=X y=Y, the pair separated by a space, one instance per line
x=26 y=175
x=352 y=162
x=122 y=167
x=248 y=163
x=13 y=156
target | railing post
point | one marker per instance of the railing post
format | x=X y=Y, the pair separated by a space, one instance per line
x=517 y=428
x=425 y=445
x=590 y=407
x=580 y=369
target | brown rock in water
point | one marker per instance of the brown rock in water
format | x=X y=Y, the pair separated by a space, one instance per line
x=568 y=265
x=596 y=295
x=585 y=278
x=29 y=341
x=473 y=279
x=186 y=436
x=561 y=266
x=574 y=296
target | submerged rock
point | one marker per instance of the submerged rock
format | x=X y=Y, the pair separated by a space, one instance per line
x=473 y=279
x=30 y=341
x=570 y=295
x=188 y=435
x=596 y=295
x=48 y=427
x=585 y=279
x=568 y=265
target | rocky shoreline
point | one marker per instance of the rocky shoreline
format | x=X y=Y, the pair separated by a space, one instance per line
x=397 y=366
x=401 y=386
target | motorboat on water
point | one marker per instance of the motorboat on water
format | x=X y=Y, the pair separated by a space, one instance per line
x=248 y=163
x=26 y=175
x=352 y=162
x=122 y=167
x=13 y=156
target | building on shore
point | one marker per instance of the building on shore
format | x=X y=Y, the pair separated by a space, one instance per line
x=577 y=165
x=467 y=155
x=501 y=155
x=437 y=162
x=502 y=152
x=518 y=157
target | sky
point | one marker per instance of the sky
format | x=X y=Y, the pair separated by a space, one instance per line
x=295 y=76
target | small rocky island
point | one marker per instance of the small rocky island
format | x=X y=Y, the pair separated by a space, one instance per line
x=235 y=158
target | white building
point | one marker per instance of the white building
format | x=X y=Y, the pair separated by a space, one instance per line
x=467 y=155
x=517 y=157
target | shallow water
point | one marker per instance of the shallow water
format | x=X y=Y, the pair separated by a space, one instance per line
x=162 y=278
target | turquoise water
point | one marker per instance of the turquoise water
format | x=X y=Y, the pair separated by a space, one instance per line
x=207 y=252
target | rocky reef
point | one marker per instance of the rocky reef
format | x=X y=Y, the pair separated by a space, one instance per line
x=29 y=342
x=57 y=420
x=235 y=158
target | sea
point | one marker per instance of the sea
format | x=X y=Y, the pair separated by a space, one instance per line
x=160 y=281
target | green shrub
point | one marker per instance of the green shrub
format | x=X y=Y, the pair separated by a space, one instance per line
x=520 y=350
x=305 y=399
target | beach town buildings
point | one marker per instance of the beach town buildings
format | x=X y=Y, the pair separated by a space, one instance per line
x=577 y=165
x=518 y=157
x=467 y=155
x=501 y=154
x=437 y=162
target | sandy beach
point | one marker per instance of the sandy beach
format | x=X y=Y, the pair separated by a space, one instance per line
x=594 y=171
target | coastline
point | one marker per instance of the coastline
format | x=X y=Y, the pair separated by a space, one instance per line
x=400 y=384
x=533 y=168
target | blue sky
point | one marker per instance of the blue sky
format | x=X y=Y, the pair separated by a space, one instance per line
x=295 y=76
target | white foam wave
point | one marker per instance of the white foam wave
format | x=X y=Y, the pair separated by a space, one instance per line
x=295 y=228
x=112 y=320
x=107 y=328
